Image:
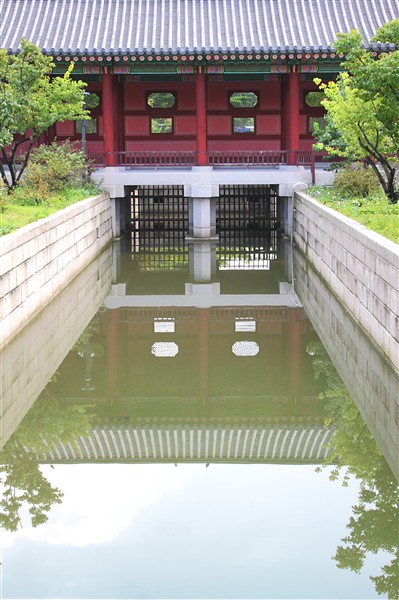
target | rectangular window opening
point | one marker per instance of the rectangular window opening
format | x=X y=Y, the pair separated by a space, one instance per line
x=164 y=325
x=244 y=124
x=320 y=122
x=161 y=125
x=244 y=324
x=91 y=126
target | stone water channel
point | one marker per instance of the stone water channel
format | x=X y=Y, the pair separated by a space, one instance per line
x=175 y=451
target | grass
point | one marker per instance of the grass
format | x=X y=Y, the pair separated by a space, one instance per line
x=375 y=211
x=17 y=210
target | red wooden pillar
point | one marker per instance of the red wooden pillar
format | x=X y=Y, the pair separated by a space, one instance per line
x=204 y=354
x=295 y=352
x=200 y=105
x=292 y=108
x=120 y=111
x=112 y=353
x=108 y=119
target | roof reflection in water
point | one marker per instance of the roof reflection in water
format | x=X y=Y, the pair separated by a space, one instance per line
x=115 y=400
x=227 y=380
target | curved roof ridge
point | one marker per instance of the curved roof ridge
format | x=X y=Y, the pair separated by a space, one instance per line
x=174 y=26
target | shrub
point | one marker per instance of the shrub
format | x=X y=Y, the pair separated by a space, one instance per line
x=356 y=180
x=3 y=198
x=53 y=168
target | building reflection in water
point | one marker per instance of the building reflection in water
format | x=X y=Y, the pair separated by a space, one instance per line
x=180 y=366
x=31 y=358
x=372 y=382
x=199 y=373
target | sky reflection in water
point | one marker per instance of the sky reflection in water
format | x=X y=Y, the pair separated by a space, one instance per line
x=192 y=531
x=157 y=531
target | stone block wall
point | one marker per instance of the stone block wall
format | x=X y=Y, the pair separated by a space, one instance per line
x=370 y=380
x=32 y=356
x=361 y=267
x=39 y=260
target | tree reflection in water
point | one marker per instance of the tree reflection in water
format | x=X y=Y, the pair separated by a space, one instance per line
x=374 y=524
x=49 y=421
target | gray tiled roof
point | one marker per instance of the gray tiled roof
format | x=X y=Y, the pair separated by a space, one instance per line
x=239 y=443
x=173 y=26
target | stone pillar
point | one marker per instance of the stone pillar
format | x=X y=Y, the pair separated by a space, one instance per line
x=286 y=215
x=116 y=261
x=125 y=216
x=201 y=217
x=292 y=115
x=202 y=207
x=108 y=118
x=202 y=261
x=116 y=216
x=213 y=215
x=200 y=106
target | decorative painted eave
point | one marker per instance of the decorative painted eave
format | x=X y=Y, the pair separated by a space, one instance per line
x=169 y=28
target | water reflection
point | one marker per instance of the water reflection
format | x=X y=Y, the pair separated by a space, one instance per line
x=374 y=524
x=184 y=391
x=180 y=367
x=31 y=359
x=48 y=423
x=372 y=383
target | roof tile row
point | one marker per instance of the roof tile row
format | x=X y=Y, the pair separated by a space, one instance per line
x=180 y=26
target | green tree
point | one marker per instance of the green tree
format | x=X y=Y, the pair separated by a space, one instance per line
x=53 y=167
x=243 y=99
x=31 y=101
x=47 y=423
x=388 y=33
x=24 y=483
x=161 y=100
x=374 y=524
x=363 y=109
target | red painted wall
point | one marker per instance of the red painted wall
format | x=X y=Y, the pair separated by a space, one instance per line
x=306 y=112
x=133 y=129
x=266 y=113
x=220 y=116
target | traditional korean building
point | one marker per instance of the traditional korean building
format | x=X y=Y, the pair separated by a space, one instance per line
x=201 y=78
x=195 y=83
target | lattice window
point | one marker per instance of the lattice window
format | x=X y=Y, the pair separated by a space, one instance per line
x=245 y=348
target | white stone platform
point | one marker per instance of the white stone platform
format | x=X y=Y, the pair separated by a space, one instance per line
x=204 y=182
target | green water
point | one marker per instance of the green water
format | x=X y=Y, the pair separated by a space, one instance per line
x=176 y=450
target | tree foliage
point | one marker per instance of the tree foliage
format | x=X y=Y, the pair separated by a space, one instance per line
x=24 y=484
x=53 y=167
x=161 y=100
x=374 y=524
x=48 y=422
x=388 y=33
x=243 y=99
x=363 y=108
x=31 y=101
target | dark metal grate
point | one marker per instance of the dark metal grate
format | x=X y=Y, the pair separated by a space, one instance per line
x=159 y=208
x=246 y=218
x=159 y=216
x=246 y=207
